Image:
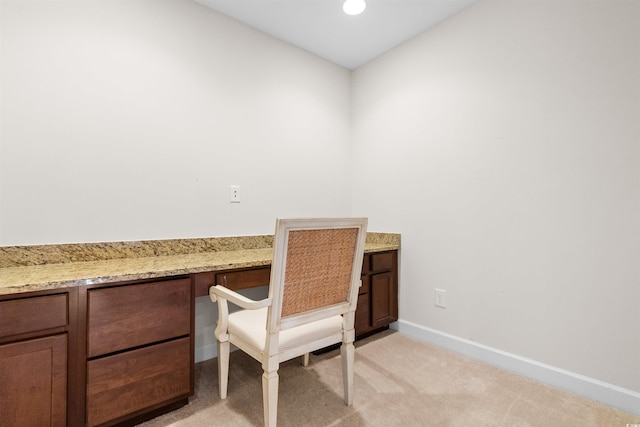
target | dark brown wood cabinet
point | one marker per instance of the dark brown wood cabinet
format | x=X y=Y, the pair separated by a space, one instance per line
x=139 y=343
x=121 y=353
x=378 y=295
x=34 y=337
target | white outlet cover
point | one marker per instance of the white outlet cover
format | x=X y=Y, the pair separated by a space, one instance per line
x=234 y=194
x=440 y=298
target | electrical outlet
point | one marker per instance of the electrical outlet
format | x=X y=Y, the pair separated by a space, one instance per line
x=440 y=299
x=234 y=195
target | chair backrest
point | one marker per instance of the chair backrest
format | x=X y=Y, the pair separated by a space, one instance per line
x=316 y=269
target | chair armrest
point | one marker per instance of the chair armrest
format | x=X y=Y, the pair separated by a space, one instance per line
x=221 y=292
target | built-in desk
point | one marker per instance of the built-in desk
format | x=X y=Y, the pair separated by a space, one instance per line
x=377 y=297
x=103 y=334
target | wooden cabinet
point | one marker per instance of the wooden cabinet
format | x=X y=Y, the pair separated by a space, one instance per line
x=33 y=359
x=378 y=295
x=121 y=353
x=139 y=349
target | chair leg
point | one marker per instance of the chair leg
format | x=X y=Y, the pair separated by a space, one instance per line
x=270 y=398
x=223 y=368
x=347 y=354
x=305 y=359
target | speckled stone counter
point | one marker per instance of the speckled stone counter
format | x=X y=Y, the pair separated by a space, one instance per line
x=42 y=267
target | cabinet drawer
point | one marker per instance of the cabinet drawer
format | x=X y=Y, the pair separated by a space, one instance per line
x=122 y=384
x=133 y=315
x=382 y=261
x=33 y=314
x=243 y=279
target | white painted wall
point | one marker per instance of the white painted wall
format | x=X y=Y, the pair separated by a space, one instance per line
x=504 y=146
x=128 y=120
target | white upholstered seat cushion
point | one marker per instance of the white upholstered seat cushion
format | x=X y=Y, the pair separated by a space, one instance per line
x=250 y=326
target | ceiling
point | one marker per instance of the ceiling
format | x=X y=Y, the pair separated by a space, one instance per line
x=322 y=28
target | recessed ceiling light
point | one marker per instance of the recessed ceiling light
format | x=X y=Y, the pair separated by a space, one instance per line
x=354 y=7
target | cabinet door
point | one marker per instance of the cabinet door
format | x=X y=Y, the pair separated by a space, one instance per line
x=383 y=299
x=33 y=382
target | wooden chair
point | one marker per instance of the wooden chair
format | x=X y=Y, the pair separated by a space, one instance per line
x=315 y=275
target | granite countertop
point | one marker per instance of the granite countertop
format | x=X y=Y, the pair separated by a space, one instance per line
x=43 y=267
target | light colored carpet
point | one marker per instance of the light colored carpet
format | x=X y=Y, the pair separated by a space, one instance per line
x=400 y=381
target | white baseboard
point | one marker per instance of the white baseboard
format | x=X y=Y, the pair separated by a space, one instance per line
x=609 y=394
